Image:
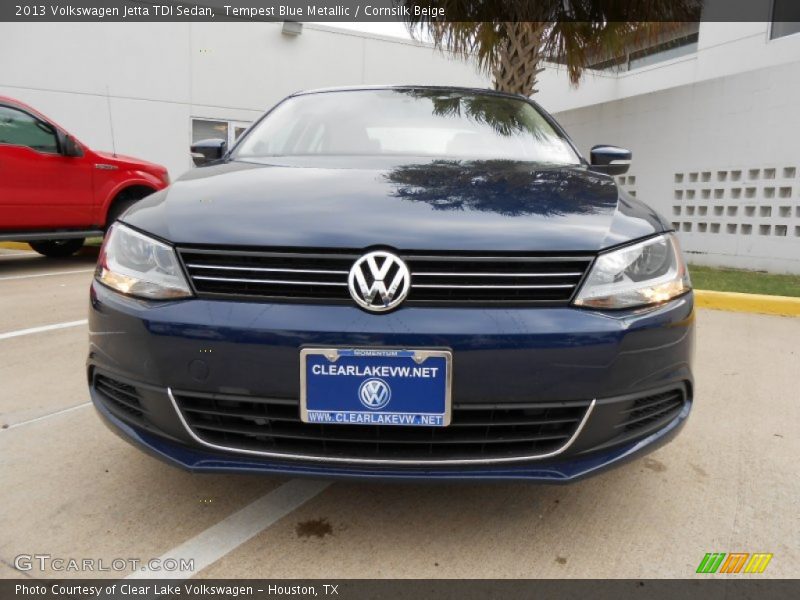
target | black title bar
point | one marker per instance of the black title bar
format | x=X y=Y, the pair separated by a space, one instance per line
x=399 y=10
x=714 y=587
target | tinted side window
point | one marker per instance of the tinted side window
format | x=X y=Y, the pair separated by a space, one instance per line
x=21 y=129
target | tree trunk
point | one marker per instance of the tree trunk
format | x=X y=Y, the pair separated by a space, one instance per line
x=517 y=64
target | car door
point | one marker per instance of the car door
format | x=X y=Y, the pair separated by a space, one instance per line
x=39 y=187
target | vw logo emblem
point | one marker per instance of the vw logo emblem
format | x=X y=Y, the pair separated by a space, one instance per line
x=374 y=393
x=379 y=281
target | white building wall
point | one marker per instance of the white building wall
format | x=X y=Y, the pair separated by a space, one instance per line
x=724 y=49
x=714 y=138
x=160 y=75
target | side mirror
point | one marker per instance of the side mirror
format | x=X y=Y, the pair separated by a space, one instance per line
x=206 y=152
x=69 y=146
x=610 y=160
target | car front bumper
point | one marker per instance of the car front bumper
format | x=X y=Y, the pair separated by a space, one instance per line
x=508 y=357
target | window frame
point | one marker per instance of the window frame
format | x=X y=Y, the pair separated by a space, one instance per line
x=232 y=124
x=771 y=37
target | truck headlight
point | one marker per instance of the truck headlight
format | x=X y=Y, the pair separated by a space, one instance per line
x=649 y=272
x=138 y=265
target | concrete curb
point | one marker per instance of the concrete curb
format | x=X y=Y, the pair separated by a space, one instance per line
x=754 y=303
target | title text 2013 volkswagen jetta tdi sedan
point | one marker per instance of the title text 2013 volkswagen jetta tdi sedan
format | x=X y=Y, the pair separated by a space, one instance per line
x=396 y=282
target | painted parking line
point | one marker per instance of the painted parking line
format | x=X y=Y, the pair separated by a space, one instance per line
x=32 y=330
x=47 y=416
x=218 y=540
x=48 y=274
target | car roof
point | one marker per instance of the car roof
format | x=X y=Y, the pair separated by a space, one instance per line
x=444 y=88
x=21 y=105
x=15 y=102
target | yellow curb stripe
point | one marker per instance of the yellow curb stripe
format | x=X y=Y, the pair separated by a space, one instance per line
x=15 y=245
x=755 y=303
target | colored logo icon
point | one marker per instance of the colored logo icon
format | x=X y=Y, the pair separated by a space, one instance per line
x=736 y=562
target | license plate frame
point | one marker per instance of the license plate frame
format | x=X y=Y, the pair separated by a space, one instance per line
x=349 y=393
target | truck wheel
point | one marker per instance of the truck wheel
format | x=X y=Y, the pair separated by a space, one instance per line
x=58 y=248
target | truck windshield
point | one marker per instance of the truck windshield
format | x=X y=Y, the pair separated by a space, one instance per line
x=408 y=122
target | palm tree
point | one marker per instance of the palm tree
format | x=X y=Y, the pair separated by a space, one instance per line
x=505 y=116
x=575 y=33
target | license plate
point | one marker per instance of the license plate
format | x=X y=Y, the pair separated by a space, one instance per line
x=372 y=386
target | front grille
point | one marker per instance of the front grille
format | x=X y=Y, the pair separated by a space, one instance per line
x=435 y=278
x=479 y=431
x=122 y=396
x=651 y=410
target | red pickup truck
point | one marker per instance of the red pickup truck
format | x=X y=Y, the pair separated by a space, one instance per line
x=56 y=191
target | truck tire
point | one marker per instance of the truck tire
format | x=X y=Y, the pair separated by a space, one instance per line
x=58 y=248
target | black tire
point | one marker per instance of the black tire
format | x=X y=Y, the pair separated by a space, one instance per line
x=58 y=248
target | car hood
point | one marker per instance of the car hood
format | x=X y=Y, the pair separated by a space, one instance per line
x=129 y=162
x=407 y=204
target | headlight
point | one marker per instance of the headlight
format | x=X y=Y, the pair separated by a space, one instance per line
x=649 y=272
x=135 y=264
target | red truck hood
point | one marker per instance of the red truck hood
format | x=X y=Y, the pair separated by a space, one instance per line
x=130 y=162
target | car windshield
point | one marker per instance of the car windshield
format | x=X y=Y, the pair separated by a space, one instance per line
x=408 y=122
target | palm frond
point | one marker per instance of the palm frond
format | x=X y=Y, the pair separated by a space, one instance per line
x=576 y=33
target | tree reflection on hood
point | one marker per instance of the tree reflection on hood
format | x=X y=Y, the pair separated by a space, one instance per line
x=510 y=188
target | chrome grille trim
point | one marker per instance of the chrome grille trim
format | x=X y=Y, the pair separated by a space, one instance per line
x=269 y=281
x=491 y=287
x=468 y=274
x=379 y=461
x=264 y=269
x=500 y=257
x=442 y=279
x=347 y=255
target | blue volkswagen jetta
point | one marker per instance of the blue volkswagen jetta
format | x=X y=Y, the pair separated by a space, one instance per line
x=395 y=282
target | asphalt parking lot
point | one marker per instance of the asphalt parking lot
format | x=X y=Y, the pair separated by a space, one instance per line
x=71 y=489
